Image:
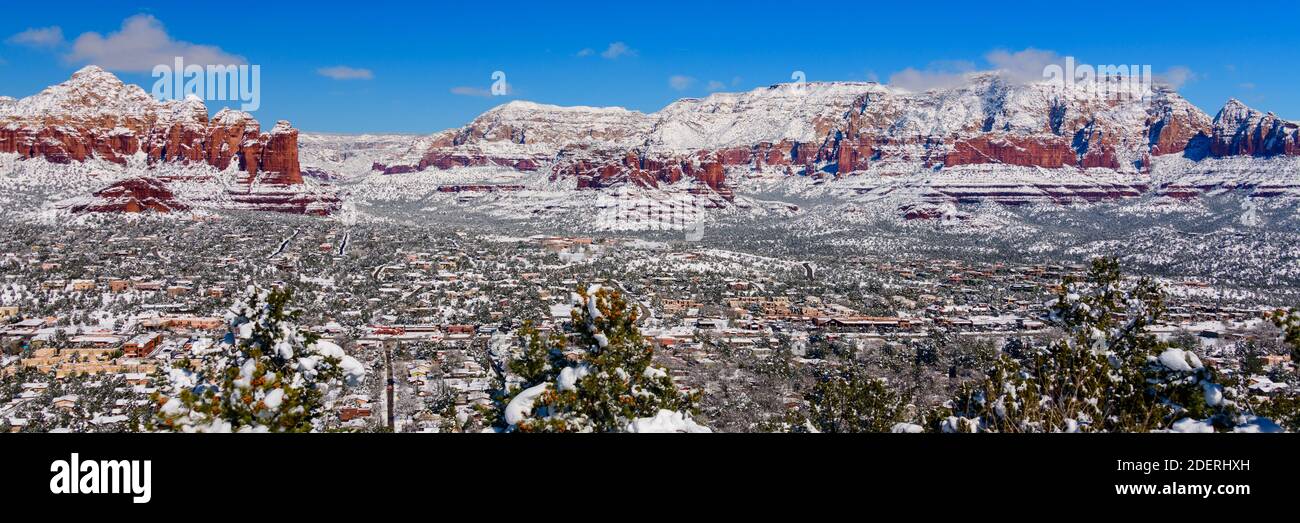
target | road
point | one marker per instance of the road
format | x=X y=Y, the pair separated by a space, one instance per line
x=389 y=382
x=284 y=244
x=647 y=313
x=343 y=245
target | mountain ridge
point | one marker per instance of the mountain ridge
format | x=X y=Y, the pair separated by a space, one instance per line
x=94 y=113
x=989 y=139
x=836 y=129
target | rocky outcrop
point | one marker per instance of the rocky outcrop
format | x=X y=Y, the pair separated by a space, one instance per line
x=1241 y=131
x=278 y=157
x=1050 y=152
x=838 y=129
x=95 y=115
x=284 y=200
x=1172 y=129
x=604 y=169
x=133 y=195
x=444 y=160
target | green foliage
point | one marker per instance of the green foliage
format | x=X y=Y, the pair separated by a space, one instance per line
x=1289 y=322
x=271 y=377
x=1104 y=375
x=1283 y=407
x=597 y=379
x=542 y=356
x=848 y=400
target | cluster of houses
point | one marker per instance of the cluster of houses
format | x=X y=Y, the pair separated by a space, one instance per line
x=435 y=306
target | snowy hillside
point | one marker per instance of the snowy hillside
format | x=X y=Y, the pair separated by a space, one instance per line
x=868 y=149
x=333 y=156
x=95 y=95
x=797 y=112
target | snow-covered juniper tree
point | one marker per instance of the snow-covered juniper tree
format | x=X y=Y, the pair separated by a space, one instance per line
x=848 y=399
x=598 y=379
x=1289 y=322
x=1284 y=406
x=265 y=376
x=1107 y=374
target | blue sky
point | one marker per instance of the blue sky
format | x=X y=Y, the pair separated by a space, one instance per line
x=422 y=67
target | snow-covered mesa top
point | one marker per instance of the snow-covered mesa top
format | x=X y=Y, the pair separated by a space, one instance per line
x=792 y=111
x=774 y=113
x=94 y=95
x=812 y=111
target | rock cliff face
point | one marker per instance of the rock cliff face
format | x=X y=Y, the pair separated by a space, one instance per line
x=1242 y=131
x=94 y=114
x=846 y=129
x=133 y=195
x=1017 y=142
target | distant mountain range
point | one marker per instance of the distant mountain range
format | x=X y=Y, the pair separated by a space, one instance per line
x=94 y=115
x=988 y=139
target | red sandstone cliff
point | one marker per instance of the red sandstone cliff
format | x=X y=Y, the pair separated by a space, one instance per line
x=1242 y=131
x=94 y=114
x=132 y=195
x=842 y=129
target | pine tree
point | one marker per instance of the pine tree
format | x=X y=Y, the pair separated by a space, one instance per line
x=598 y=379
x=269 y=376
x=1106 y=374
x=1289 y=322
x=850 y=400
x=1283 y=406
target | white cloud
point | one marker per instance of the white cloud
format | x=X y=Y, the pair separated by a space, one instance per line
x=465 y=90
x=39 y=37
x=715 y=85
x=141 y=44
x=343 y=72
x=937 y=75
x=616 y=50
x=1023 y=66
x=1176 y=76
x=680 y=82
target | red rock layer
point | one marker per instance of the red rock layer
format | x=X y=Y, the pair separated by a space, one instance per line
x=285 y=201
x=132 y=196
x=1171 y=134
x=1270 y=136
x=1053 y=152
x=271 y=157
x=442 y=160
